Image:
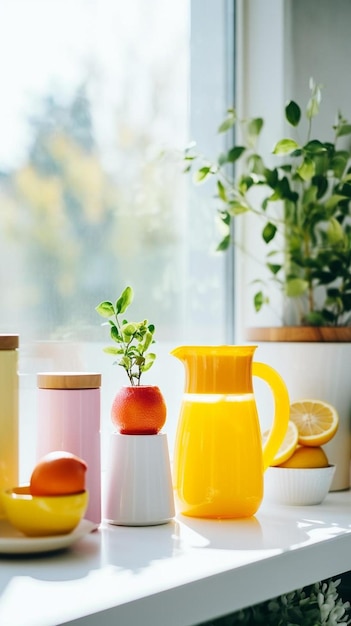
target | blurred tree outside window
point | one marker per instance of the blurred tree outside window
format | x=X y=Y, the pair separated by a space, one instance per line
x=94 y=121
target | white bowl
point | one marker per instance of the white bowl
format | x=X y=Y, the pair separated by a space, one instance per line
x=297 y=487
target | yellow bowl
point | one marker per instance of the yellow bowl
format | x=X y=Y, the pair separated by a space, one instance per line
x=39 y=516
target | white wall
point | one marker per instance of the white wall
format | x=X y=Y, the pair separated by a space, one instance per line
x=260 y=92
x=322 y=48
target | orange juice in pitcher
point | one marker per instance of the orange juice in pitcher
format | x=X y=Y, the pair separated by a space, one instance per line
x=219 y=460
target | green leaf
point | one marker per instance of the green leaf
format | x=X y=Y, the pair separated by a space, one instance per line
x=269 y=232
x=335 y=266
x=338 y=164
x=295 y=154
x=274 y=267
x=310 y=195
x=284 y=146
x=202 y=174
x=313 y=104
x=254 y=127
x=113 y=350
x=282 y=191
x=139 y=360
x=315 y=147
x=228 y=122
x=315 y=318
x=322 y=185
x=125 y=361
x=125 y=299
x=293 y=113
x=129 y=329
x=271 y=177
x=149 y=360
x=105 y=309
x=147 y=340
x=335 y=233
x=344 y=129
x=323 y=277
x=346 y=300
x=236 y=207
x=234 y=154
x=295 y=287
x=221 y=191
x=259 y=300
x=307 y=169
x=255 y=162
x=224 y=244
x=114 y=334
x=329 y=318
x=334 y=200
x=225 y=217
x=333 y=293
x=244 y=183
x=346 y=189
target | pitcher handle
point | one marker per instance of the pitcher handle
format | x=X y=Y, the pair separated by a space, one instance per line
x=281 y=410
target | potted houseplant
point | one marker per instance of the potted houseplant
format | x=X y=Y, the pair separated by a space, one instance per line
x=302 y=204
x=303 y=208
x=139 y=490
x=136 y=409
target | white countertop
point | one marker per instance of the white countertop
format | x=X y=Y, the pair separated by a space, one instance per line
x=181 y=573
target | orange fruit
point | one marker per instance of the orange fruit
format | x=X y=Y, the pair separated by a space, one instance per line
x=307 y=457
x=58 y=473
x=316 y=421
x=139 y=410
x=288 y=445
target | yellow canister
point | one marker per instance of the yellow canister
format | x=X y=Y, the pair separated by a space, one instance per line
x=8 y=412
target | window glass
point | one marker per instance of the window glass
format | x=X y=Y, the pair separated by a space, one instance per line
x=94 y=118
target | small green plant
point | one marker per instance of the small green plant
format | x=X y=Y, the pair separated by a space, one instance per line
x=317 y=605
x=133 y=338
x=305 y=198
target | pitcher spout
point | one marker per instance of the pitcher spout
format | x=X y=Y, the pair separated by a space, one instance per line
x=179 y=352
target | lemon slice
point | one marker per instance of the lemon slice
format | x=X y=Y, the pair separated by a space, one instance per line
x=288 y=446
x=316 y=421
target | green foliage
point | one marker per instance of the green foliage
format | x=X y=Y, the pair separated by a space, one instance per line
x=133 y=338
x=317 y=605
x=304 y=202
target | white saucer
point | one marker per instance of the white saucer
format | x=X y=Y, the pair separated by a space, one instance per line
x=12 y=541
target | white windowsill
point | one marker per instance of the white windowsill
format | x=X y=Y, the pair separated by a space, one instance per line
x=181 y=573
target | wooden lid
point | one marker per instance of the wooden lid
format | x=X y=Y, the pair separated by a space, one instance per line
x=9 y=342
x=68 y=380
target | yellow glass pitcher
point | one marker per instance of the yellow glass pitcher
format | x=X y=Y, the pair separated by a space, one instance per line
x=219 y=459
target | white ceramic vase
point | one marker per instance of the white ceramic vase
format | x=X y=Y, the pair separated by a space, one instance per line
x=139 y=490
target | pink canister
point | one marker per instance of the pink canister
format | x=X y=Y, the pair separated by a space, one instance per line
x=69 y=419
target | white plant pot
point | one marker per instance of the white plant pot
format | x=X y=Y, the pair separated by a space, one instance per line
x=139 y=490
x=318 y=371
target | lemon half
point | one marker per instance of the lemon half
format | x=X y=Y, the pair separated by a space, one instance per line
x=316 y=421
